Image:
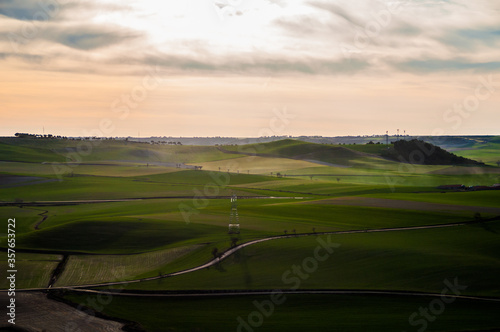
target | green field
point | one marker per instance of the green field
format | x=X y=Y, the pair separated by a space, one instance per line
x=298 y=313
x=417 y=260
x=127 y=211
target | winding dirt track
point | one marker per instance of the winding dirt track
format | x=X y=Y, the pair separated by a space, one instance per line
x=114 y=326
x=231 y=251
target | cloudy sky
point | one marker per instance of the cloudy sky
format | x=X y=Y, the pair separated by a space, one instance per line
x=249 y=67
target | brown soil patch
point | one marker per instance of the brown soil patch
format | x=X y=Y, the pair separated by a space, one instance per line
x=34 y=312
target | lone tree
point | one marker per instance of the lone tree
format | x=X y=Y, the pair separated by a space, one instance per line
x=215 y=251
x=234 y=241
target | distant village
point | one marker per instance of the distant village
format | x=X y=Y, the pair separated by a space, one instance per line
x=461 y=187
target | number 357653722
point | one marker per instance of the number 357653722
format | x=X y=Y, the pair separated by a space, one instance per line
x=11 y=227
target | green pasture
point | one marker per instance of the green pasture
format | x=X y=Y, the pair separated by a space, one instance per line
x=33 y=270
x=102 y=188
x=90 y=269
x=55 y=150
x=488 y=153
x=297 y=312
x=417 y=260
x=118 y=235
x=469 y=198
x=257 y=165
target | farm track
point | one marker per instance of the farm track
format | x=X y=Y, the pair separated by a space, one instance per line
x=44 y=217
x=95 y=201
x=231 y=251
x=284 y=291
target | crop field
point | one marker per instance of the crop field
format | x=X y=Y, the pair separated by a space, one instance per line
x=128 y=211
x=342 y=313
x=34 y=270
x=377 y=261
x=91 y=269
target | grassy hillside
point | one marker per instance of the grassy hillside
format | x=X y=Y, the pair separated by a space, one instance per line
x=289 y=148
x=418 y=260
x=56 y=150
x=341 y=313
x=420 y=152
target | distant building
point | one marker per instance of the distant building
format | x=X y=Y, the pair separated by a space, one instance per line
x=452 y=187
x=480 y=187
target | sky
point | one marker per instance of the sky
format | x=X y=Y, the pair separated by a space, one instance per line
x=249 y=68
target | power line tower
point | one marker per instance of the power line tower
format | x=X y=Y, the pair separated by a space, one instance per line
x=234 y=220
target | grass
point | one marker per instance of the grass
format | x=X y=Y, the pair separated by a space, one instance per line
x=418 y=260
x=11 y=152
x=343 y=313
x=90 y=269
x=137 y=239
x=485 y=152
x=38 y=150
x=33 y=270
x=289 y=148
x=474 y=198
x=257 y=165
x=116 y=235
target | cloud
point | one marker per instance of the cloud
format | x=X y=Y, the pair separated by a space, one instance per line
x=254 y=65
x=337 y=10
x=54 y=10
x=89 y=37
x=424 y=66
x=469 y=40
x=29 y=58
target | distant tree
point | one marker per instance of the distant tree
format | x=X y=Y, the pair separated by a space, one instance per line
x=338 y=179
x=278 y=174
x=477 y=217
x=234 y=242
x=371 y=142
x=215 y=251
x=285 y=231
